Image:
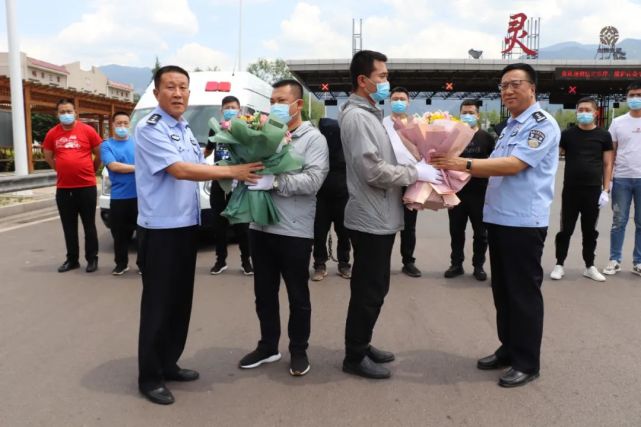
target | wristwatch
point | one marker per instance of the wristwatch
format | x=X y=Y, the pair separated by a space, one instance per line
x=468 y=165
x=275 y=184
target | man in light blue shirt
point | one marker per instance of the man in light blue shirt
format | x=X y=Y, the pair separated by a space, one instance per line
x=117 y=154
x=169 y=161
x=517 y=209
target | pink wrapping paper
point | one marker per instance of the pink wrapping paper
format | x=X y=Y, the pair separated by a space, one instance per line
x=445 y=137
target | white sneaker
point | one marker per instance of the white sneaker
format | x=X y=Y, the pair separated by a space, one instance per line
x=594 y=274
x=637 y=269
x=612 y=268
x=557 y=273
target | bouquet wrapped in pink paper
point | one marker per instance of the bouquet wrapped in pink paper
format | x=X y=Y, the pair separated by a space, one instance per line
x=434 y=133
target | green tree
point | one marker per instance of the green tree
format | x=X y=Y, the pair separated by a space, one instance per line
x=565 y=118
x=41 y=124
x=157 y=66
x=318 y=109
x=270 y=71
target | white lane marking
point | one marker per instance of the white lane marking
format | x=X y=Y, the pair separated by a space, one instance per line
x=40 y=221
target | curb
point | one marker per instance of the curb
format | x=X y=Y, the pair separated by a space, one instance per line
x=21 y=208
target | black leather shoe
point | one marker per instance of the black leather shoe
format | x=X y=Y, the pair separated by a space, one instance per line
x=480 y=274
x=92 y=265
x=379 y=356
x=453 y=271
x=367 y=369
x=160 y=395
x=514 y=378
x=68 y=265
x=491 y=362
x=182 y=375
x=411 y=270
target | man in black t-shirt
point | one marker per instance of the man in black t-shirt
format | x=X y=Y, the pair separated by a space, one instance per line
x=472 y=199
x=588 y=170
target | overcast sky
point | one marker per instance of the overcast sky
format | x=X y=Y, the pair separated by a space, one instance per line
x=205 y=32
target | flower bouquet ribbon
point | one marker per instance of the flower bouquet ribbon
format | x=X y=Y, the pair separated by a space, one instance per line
x=252 y=139
x=434 y=133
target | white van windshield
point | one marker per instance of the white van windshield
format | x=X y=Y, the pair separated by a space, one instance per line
x=198 y=116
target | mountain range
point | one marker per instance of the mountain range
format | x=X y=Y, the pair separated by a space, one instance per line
x=141 y=76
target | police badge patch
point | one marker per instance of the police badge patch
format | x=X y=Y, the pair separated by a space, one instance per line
x=535 y=138
x=175 y=137
x=539 y=116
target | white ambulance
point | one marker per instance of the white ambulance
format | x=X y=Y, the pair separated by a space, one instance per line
x=208 y=88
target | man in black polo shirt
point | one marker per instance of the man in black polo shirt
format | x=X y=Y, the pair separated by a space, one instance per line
x=588 y=170
x=472 y=199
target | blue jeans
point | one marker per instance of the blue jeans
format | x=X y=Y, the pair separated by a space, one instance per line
x=624 y=190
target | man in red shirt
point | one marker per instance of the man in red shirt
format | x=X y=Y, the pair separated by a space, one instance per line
x=68 y=148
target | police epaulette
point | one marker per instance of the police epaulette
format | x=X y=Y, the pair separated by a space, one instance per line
x=153 y=119
x=539 y=116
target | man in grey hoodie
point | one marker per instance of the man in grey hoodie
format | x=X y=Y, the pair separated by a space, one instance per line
x=374 y=211
x=284 y=249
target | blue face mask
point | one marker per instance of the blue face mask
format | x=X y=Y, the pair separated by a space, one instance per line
x=585 y=118
x=121 y=132
x=399 y=107
x=281 y=112
x=469 y=119
x=229 y=114
x=67 y=118
x=634 y=103
x=382 y=91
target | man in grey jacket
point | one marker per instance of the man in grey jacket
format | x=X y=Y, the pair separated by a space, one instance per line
x=374 y=211
x=284 y=249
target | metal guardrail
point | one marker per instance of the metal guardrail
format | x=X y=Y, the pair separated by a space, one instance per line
x=10 y=183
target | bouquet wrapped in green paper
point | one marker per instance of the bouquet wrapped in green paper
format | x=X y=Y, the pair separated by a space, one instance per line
x=253 y=139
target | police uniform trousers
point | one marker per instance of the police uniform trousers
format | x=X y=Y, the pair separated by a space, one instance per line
x=369 y=286
x=275 y=255
x=72 y=203
x=471 y=206
x=330 y=210
x=408 y=235
x=122 y=224
x=515 y=259
x=218 y=201
x=167 y=262
x=577 y=200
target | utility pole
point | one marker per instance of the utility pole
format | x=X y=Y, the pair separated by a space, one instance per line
x=17 y=99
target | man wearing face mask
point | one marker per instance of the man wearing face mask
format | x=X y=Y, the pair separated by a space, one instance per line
x=68 y=149
x=218 y=200
x=586 y=184
x=117 y=154
x=626 y=184
x=400 y=99
x=284 y=249
x=472 y=199
x=374 y=211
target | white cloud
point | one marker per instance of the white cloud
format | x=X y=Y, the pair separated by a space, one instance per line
x=194 y=55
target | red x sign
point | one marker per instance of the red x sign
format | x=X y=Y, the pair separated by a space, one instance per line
x=325 y=87
x=449 y=85
x=572 y=90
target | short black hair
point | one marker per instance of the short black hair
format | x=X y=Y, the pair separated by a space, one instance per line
x=473 y=102
x=64 y=101
x=229 y=99
x=297 y=87
x=633 y=86
x=588 y=99
x=521 y=66
x=400 y=89
x=363 y=63
x=119 y=113
x=168 y=69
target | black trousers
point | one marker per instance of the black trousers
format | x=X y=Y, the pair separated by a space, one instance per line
x=575 y=201
x=515 y=258
x=168 y=262
x=74 y=202
x=408 y=236
x=275 y=256
x=330 y=210
x=471 y=207
x=369 y=286
x=218 y=201
x=122 y=219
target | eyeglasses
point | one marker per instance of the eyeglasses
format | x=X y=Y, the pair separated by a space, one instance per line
x=513 y=84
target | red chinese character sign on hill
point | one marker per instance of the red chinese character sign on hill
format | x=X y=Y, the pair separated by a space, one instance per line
x=522 y=39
